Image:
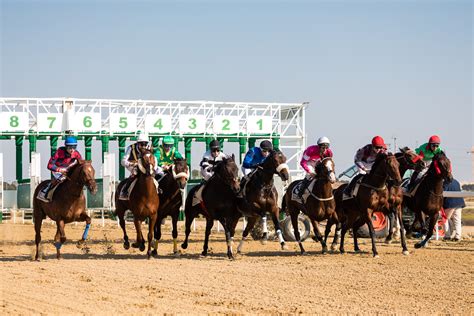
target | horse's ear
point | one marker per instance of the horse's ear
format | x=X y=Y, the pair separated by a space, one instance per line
x=233 y=157
x=403 y=150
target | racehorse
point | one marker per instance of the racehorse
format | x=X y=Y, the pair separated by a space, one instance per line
x=260 y=195
x=320 y=204
x=68 y=203
x=219 y=202
x=428 y=198
x=372 y=196
x=171 y=199
x=143 y=201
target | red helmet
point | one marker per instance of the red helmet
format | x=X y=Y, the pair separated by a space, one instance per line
x=434 y=139
x=378 y=141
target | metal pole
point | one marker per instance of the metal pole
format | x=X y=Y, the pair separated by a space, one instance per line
x=32 y=139
x=121 y=141
x=88 y=149
x=276 y=143
x=252 y=141
x=53 y=143
x=19 y=157
x=105 y=145
x=242 y=148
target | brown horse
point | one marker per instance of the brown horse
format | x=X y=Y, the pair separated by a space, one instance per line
x=219 y=202
x=143 y=201
x=261 y=195
x=171 y=199
x=68 y=203
x=320 y=204
x=428 y=198
x=372 y=196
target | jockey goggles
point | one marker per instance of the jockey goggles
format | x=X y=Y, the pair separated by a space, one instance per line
x=378 y=147
x=71 y=146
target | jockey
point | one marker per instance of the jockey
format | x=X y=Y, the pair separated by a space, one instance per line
x=255 y=156
x=210 y=158
x=364 y=159
x=426 y=152
x=59 y=163
x=312 y=156
x=130 y=161
x=166 y=153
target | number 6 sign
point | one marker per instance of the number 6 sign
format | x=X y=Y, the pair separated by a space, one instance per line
x=89 y=122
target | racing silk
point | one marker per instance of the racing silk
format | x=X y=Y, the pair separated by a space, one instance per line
x=312 y=156
x=252 y=159
x=365 y=157
x=61 y=159
x=424 y=151
x=164 y=158
x=130 y=159
x=208 y=162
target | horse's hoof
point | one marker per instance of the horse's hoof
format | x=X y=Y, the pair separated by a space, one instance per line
x=284 y=246
x=342 y=252
x=126 y=245
x=142 y=247
x=315 y=239
x=239 y=251
x=154 y=253
x=135 y=245
x=263 y=241
x=333 y=247
x=80 y=243
x=388 y=241
x=231 y=257
x=357 y=250
x=376 y=256
x=419 y=245
x=177 y=253
x=204 y=253
x=184 y=245
x=324 y=251
x=405 y=252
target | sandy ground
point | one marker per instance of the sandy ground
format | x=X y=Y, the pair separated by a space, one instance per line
x=264 y=279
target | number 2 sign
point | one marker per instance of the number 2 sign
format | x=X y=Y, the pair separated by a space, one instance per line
x=226 y=124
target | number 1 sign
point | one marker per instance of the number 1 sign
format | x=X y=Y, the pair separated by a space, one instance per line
x=259 y=124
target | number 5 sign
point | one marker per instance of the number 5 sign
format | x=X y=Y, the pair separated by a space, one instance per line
x=259 y=124
x=50 y=122
x=13 y=121
x=126 y=123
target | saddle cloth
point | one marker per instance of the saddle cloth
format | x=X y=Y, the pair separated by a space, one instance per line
x=49 y=197
x=297 y=188
x=406 y=190
x=132 y=185
x=353 y=193
x=197 y=198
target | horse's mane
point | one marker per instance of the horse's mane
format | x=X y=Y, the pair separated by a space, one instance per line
x=380 y=157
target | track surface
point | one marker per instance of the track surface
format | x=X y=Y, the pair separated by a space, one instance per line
x=109 y=279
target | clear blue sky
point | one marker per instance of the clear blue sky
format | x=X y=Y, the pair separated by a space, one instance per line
x=394 y=68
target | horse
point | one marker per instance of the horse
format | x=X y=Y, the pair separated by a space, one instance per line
x=68 y=203
x=260 y=195
x=372 y=196
x=219 y=200
x=428 y=198
x=171 y=199
x=320 y=204
x=143 y=202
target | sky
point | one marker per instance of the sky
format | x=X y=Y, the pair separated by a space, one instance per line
x=392 y=68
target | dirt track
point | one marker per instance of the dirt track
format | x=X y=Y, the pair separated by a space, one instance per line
x=264 y=279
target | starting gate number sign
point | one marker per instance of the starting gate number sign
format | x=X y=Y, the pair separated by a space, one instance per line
x=125 y=123
x=158 y=123
x=14 y=121
x=50 y=122
x=192 y=124
x=259 y=124
x=226 y=124
x=87 y=122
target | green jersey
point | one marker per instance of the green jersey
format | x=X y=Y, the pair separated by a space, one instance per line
x=164 y=158
x=425 y=152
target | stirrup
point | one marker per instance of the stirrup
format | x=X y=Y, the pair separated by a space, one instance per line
x=42 y=197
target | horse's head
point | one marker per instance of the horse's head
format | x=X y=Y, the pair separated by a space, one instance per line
x=326 y=170
x=441 y=166
x=228 y=171
x=276 y=162
x=147 y=162
x=180 y=172
x=82 y=172
x=389 y=165
x=409 y=159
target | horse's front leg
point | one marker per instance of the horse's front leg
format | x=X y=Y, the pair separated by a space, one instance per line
x=264 y=221
x=38 y=222
x=174 y=220
x=84 y=217
x=392 y=218
x=433 y=220
x=228 y=238
x=294 y=222
x=402 y=230
x=368 y=220
x=151 y=228
x=209 y=224
x=250 y=224
x=189 y=218
x=318 y=236
x=157 y=235
x=140 y=243
x=276 y=223
x=60 y=237
x=121 y=216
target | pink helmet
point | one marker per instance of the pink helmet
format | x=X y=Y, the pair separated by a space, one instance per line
x=434 y=139
x=378 y=141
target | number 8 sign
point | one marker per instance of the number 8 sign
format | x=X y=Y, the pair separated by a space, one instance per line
x=14 y=121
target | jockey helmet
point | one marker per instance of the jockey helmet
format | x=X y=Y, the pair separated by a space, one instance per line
x=378 y=141
x=266 y=145
x=324 y=140
x=434 y=139
x=70 y=141
x=168 y=140
x=215 y=144
x=142 y=138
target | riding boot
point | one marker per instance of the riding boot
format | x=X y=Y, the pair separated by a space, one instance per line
x=348 y=190
x=126 y=186
x=304 y=184
x=413 y=182
x=240 y=194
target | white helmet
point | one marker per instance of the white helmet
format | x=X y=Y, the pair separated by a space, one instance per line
x=324 y=140
x=142 y=137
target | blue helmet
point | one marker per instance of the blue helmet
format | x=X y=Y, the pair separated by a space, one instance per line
x=70 y=141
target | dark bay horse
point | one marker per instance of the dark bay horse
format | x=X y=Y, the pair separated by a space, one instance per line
x=68 y=203
x=219 y=202
x=372 y=196
x=171 y=199
x=428 y=198
x=320 y=204
x=261 y=195
x=143 y=201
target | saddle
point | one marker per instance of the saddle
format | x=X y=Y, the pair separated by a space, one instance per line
x=352 y=189
x=296 y=189
x=197 y=198
x=49 y=197
x=125 y=194
x=406 y=186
